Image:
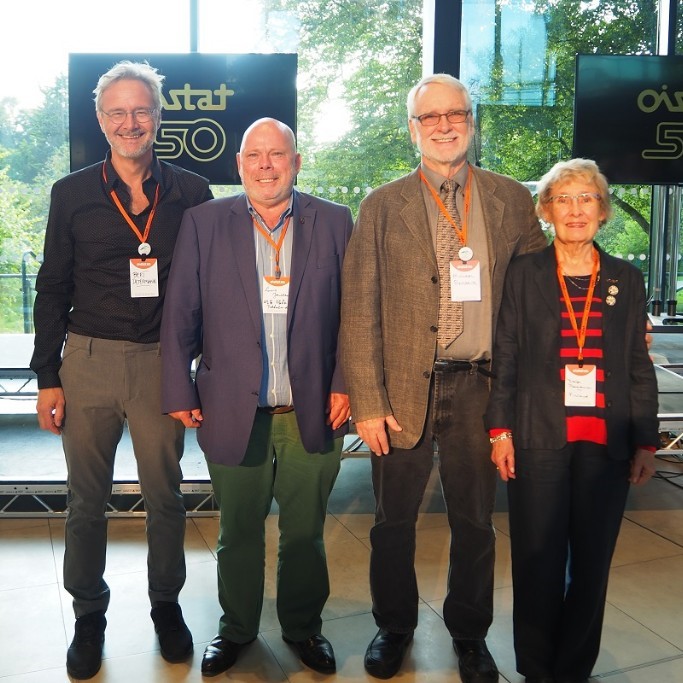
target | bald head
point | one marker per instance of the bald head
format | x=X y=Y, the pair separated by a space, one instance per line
x=268 y=164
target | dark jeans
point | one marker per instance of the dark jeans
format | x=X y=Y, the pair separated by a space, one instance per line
x=468 y=481
x=565 y=512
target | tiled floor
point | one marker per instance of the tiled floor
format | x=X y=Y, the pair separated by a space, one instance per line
x=643 y=635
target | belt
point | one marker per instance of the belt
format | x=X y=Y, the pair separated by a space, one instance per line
x=471 y=366
x=276 y=410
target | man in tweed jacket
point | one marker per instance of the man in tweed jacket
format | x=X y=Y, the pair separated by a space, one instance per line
x=410 y=390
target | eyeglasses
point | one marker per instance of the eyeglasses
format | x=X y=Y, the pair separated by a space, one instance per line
x=584 y=199
x=118 y=116
x=453 y=116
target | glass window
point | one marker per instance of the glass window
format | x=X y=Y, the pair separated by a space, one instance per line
x=518 y=59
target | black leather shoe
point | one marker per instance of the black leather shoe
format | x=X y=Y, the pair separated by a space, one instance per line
x=384 y=655
x=84 y=656
x=175 y=639
x=220 y=655
x=475 y=661
x=315 y=652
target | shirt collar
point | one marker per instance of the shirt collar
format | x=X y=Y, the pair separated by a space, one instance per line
x=436 y=180
x=114 y=182
x=283 y=216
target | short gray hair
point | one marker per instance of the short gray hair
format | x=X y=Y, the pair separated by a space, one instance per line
x=574 y=169
x=131 y=71
x=443 y=79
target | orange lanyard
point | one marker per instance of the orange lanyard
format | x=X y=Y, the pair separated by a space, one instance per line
x=141 y=236
x=580 y=334
x=460 y=232
x=276 y=245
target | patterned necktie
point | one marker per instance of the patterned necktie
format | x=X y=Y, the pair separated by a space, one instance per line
x=447 y=245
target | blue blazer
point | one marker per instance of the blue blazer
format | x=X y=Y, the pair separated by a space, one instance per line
x=213 y=307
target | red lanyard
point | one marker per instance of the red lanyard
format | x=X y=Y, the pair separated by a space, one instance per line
x=276 y=245
x=141 y=236
x=580 y=334
x=460 y=232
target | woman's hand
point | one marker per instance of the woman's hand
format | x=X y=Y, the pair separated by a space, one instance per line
x=642 y=467
x=503 y=457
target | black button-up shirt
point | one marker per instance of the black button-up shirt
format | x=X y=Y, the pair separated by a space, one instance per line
x=83 y=284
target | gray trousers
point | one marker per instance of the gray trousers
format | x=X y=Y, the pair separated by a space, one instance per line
x=106 y=383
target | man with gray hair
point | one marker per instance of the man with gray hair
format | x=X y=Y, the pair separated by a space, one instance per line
x=422 y=284
x=110 y=236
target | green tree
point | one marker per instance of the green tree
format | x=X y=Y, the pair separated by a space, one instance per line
x=40 y=133
x=371 y=52
x=20 y=237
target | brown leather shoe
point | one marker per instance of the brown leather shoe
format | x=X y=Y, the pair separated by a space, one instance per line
x=384 y=655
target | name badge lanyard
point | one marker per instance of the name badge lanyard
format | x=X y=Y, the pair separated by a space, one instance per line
x=144 y=249
x=580 y=333
x=275 y=245
x=461 y=232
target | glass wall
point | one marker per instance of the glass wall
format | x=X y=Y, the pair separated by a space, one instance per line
x=356 y=63
x=518 y=58
x=357 y=60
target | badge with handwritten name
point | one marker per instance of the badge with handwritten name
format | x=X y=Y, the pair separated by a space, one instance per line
x=144 y=278
x=275 y=295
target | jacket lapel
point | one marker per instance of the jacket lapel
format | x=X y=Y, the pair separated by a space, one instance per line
x=608 y=291
x=303 y=221
x=545 y=279
x=241 y=235
x=414 y=215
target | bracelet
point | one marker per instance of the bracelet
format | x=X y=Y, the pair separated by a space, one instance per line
x=501 y=437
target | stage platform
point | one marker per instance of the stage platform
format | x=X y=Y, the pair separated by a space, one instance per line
x=33 y=472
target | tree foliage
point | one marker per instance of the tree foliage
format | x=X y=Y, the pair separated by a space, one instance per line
x=359 y=58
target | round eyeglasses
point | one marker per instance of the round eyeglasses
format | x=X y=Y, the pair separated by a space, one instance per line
x=118 y=116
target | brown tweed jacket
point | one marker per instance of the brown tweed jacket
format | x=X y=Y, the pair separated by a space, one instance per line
x=390 y=292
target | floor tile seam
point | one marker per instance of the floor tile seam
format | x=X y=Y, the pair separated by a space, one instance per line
x=32 y=586
x=606 y=675
x=285 y=677
x=652 y=531
x=640 y=623
x=360 y=612
x=345 y=526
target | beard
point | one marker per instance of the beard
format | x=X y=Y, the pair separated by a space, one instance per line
x=128 y=151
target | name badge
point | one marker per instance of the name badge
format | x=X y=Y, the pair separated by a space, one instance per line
x=275 y=295
x=465 y=281
x=580 y=385
x=144 y=278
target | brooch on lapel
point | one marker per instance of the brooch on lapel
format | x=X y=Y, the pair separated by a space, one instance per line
x=612 y=291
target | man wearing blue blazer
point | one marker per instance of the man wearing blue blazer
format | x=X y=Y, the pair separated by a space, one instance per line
x=255 y=289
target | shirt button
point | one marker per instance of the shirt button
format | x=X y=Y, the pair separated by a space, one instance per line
x=433 y=328
x=435 y=279
x=425 y=374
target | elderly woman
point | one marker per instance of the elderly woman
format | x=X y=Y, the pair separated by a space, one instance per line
x=572 y=420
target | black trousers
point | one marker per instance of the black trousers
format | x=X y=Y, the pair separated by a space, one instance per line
x=565 y=513
x=468 y=480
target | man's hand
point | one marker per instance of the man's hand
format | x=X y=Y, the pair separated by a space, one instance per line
x=50 y=409
x=642 y=467
x=190 y=418
x=503 y=457
x=648 y=336
x=374 y=432
x=338 y=410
